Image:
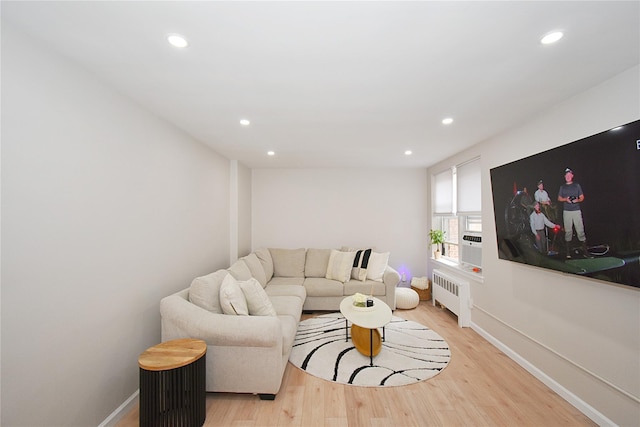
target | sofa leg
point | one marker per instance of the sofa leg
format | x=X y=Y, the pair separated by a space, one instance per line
x=265 y=396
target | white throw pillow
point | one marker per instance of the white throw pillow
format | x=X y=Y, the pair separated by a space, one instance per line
x=232 y=298
x=340 y=265
x=377 y=266
x=258 y=302
x=360 y=264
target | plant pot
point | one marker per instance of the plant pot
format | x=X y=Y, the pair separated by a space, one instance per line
x=436 y=254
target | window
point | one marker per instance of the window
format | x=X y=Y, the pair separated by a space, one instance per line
x=450 y=225
x=468 y=187
x=457 y=205
x=473 y=223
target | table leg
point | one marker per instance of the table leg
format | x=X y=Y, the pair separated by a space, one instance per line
x=370 y=347
x=346 y=330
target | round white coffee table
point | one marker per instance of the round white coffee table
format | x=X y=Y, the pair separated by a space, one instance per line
x=364 y=325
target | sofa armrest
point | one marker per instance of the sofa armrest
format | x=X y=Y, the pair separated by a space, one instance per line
x=391 y=278
x=183 y=319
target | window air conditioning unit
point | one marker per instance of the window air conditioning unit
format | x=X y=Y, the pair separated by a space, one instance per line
x=471 y=250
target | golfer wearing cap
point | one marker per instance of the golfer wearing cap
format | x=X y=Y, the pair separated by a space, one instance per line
x=541 y=196
x=570 y=194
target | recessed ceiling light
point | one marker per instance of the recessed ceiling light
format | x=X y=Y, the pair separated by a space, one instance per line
x=245 y=122
x=408 y=152
x=271 y=153
x=447 y=121
x=617 y=128
x=177 y=40
x=551 y=37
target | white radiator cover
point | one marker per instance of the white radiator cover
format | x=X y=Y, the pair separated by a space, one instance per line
x=453 y=293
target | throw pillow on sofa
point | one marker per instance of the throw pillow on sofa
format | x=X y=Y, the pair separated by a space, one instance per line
x=340 y=265
x=232 y=298
x=377 y=266
x=360 y=265
x=258 y=302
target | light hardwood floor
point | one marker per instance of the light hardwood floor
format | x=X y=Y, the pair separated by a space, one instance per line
x=481 y=386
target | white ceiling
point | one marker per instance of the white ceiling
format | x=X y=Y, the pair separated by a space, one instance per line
x=341 y=84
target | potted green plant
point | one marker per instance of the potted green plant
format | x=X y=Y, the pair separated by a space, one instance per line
x=437 y=238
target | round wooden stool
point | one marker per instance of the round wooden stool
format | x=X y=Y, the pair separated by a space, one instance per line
x=172 y=384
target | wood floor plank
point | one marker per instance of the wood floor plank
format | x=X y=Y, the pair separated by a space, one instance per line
x=291 y=413
x=314 y=401
x=480 y=386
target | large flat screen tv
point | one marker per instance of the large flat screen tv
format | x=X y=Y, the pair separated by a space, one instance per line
x=588 y=223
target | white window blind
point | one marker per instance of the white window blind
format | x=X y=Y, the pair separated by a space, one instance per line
x=443 y=192
x=469 y=189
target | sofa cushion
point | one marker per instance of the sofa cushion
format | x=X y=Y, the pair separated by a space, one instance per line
x=267 y=262
x=205 y=291
x=316 y=262
x=288 y=262
x=360 y=263
x=377 y=265
x=232 y=298
x=287 y=305
x=319 y=287
x=258 y=302
x=291 y=281
x=255 y=266
x=297 y=291
x=368 y=287
x=340 y=265
x=239 y=270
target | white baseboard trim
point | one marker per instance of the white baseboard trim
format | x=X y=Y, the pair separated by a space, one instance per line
x=121 y=411
x=588 y=410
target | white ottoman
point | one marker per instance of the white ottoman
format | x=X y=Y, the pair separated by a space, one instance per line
x=406 y=298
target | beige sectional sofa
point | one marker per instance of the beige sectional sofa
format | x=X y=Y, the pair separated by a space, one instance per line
x=249 y=353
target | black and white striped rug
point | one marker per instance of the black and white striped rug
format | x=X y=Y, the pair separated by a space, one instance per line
x=410 y=353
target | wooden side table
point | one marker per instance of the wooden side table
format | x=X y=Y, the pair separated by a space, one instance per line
x=172 y=384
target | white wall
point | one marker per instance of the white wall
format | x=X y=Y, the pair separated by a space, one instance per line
x=244 y=210
x=580 y=332
x=330 y=208
x=240 y=211
x=105 y=210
